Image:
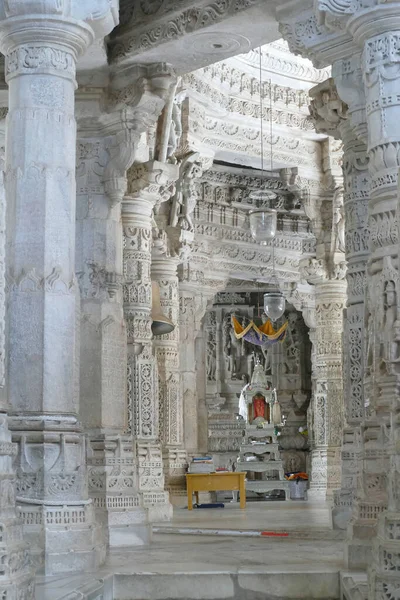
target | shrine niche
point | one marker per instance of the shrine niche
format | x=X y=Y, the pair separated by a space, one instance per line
x=256 y=398
x=285 y=364
x=259 y=454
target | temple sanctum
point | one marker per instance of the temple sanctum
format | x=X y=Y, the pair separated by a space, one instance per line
x=199 y=292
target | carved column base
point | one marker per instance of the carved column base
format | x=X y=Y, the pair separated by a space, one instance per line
x=175 y=469
x=63 y=537
x=343 y=498
x=17 y=577
x=113 y=488
x=384 y=576
x=151 y=482
x=361 y=533
x=52 y=495
x=325 y=473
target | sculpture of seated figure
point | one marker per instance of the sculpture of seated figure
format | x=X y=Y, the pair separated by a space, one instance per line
x=259 y=406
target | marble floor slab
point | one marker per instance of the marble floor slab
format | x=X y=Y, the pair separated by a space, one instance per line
x=192 y=567
x=299 y=519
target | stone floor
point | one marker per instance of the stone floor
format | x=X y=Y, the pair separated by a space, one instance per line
x=299 y=519
x=210 y=567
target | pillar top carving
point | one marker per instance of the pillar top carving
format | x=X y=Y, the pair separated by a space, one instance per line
x=327 y=109
x=149 y=184
x=302 y=297
x=152 y=178
x=314 y=34
x=58 y=24
x=347 y=74
x=148 y=88
x=317 y=271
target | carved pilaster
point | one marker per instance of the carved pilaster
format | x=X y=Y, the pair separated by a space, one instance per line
x=327 y=399
x=164 y=272
x=333 y=117
x=148 y=185
x=193 y=300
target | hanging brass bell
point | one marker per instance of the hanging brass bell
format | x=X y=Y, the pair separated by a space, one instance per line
x=161 y=324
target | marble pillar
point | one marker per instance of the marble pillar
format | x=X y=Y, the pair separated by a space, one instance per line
x=110 y=460
x=193 y=304
x=148 y=184
x=41 y=49
x=164 y=272
x=109 y=141
x=374 y=31
x=330 y=298
x=16 y=581
x=326 y=272
x=331 y=116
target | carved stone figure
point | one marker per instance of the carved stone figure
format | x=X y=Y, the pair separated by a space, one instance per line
x=236 y=352
x=175 y=130
x=186 y=194
x=390 y=317
x=211 y=355
x=338 y=222
x=291 y=359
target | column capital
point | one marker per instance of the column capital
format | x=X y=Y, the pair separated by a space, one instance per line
x=313 y=33
x=148 y=89
x=316 y=271
x=327 y=110
x=149 y=184
x=302 y=297
x=48 y=36
x=348 y=77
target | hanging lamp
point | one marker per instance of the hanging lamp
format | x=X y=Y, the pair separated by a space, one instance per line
x=263 y=221
x=274 y=301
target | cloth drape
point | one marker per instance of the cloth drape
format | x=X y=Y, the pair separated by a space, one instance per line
x=263 y=335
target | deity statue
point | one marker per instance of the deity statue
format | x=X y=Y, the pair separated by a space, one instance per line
x=258 y=406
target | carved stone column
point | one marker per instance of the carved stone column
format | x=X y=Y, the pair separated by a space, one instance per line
x=193 y=304
x=377 y=32
x=16 y=581
x=107 y=146
x=164 y=272
x=111 y=467
x=328 y=418
x=41 y=49
x=147 y=185
x=332 y=116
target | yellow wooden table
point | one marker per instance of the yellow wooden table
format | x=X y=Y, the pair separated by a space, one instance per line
x=215 y=482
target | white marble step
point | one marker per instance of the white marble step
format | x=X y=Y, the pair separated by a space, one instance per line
x=268 y=486
x=255 y=466
x=259 y=434
x=259 y=449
